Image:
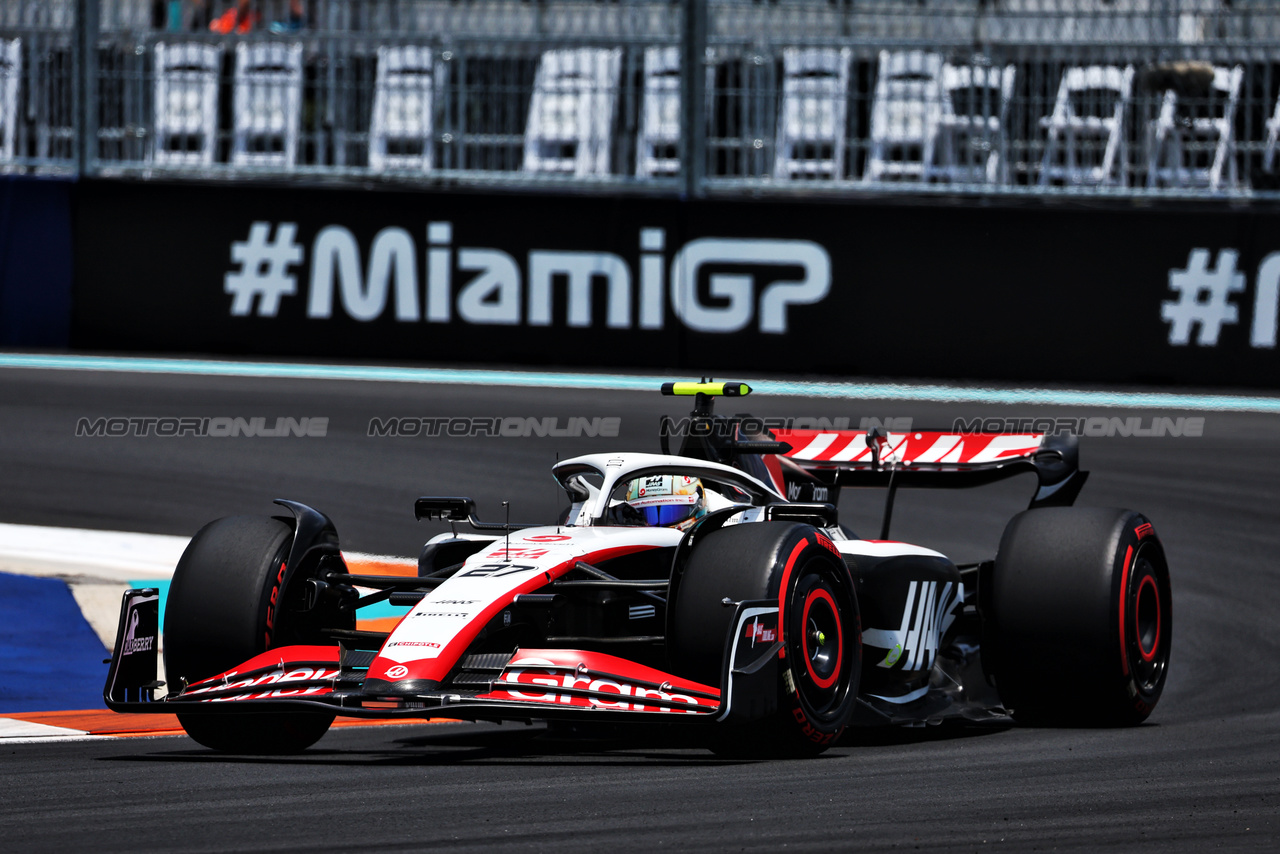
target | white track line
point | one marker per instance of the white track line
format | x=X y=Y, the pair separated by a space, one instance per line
x=14 y=731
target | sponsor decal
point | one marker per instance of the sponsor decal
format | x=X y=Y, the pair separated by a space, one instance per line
x=631 y=697
x=711 y=284
x=518 y=552
x=825 y=542
x=276 y=677
x=662 y=500
x=132 y=643
x=274 y=694
x=397 y=671
x=273 y=603
x=430 y=644
x=757 y=632
x=816 y=493
x=926 y=615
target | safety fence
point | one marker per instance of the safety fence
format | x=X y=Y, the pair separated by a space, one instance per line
x=693 y=97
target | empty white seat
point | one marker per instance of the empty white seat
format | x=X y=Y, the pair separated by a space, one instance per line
x=905 y=115
x=1085 y=143
x=268 y=97
x=1273 y=135
x=1172 y=139
x=186 y=103
x=811 y=125
x=570 y=127
x=658 y=139
x=401 y=134
x=971 y=125
x=10 y=74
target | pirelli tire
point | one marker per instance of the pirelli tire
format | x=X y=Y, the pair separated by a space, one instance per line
x=232 y=598
x=1078 y=619
x=821 y=657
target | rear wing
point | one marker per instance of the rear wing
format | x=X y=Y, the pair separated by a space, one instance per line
x=810 y=465
x=939 y=459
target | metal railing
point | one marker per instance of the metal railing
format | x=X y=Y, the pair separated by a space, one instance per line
x=1102 y=97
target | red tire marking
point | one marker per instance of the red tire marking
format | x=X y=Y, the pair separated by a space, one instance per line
x=272 y=605
x=782 y=595
x=819 y=593
x=826 y=543
x=1124 y=602
x=1155 y=645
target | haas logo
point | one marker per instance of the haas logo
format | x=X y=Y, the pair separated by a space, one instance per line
x=926 y=616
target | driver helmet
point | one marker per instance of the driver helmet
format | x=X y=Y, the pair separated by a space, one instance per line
x=668 y=500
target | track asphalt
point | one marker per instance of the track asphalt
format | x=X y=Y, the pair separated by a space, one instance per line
x=1201 y=774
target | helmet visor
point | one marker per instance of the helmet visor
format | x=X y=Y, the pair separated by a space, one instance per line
x=667 y=514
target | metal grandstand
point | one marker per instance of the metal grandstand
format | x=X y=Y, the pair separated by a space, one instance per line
x=700 y=97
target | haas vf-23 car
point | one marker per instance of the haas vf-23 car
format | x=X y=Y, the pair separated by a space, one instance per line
x=711 y=588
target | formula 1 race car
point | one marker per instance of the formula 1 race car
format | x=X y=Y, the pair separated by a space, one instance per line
x=713 y=587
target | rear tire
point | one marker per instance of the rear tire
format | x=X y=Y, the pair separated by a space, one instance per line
x=1078 y=622
x=227 y=603
x=821 y=631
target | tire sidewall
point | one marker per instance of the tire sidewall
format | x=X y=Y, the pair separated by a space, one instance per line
x=821 y=711
x=1061 y=622
x=1143 y=599
x=231 y=599
x=224 y=603
x=782 y=562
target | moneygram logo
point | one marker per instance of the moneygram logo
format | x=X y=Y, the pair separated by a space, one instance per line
x=713 y=284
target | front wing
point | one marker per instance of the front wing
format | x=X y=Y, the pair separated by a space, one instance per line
x=530 y=683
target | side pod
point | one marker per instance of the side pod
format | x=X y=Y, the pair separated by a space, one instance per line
x=132 y=677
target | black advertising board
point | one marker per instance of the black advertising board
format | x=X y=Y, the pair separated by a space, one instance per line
x=1033 y=292
x=35 y=260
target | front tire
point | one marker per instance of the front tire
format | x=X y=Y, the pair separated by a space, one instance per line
x=820 y=630
x=1078 y=621
x=230 y=599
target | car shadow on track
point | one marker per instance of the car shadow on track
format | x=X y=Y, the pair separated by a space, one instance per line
x=541 y=745
x=886 y=736
x=488 y=744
